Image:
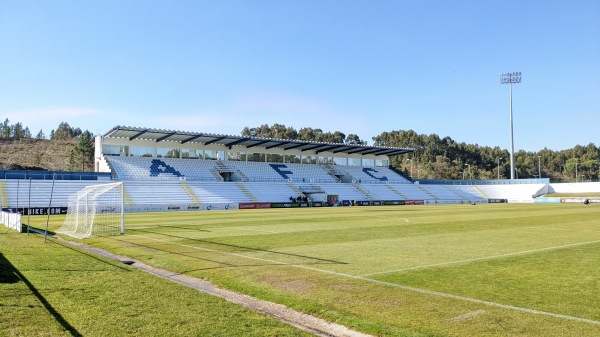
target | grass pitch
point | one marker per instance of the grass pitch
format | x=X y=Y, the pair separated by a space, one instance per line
x=456 y=270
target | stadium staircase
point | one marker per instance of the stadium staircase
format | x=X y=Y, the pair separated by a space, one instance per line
x=480 y=192
x=216 y=172
x=242 y=175
x=246 y=192
x=363 y=191
x=296 y=189
x=333 y=173
x=391 y=187
x=189 y=191
x=459 y=192
x=433 y=196
x=126 y=196
x=107 y=164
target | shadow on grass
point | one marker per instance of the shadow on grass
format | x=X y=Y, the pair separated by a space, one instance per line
x=180 y=254
x=315 y=260
x=10 y=274
x=51 y=234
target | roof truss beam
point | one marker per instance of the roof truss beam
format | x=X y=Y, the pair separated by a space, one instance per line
x=258 y=144
x=167 y=135
x=138 y=134
x=190 y=139
x=214 y=140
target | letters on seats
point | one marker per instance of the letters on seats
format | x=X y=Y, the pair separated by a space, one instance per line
x=160 y=167
x=369 y=171
x=279 y=169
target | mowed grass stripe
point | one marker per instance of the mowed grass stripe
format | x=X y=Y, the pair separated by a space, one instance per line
x=389 y=247
x=483 y=258
x=314 y=262
x=562 y=280
x=396 y=285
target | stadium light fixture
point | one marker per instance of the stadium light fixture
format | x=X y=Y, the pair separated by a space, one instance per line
x=470 y=175
x=411 y=167
x=510 y=78
x=499 y=167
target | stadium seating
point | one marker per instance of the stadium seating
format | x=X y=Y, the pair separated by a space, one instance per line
x=152 y=181
x=271 y=192
x=411 y=192
x=136 y=168
x=17 y=192
x=344 y=191
x=144 y=192
x=218 y=192
x=255 y=171
x=514 y=192
x=370 y=175
x=467 y=192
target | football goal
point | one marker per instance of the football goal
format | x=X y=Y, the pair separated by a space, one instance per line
x=96 y=210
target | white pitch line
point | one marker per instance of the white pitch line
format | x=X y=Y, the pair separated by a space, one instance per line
x=481 y=258
x=565 y=229
x=399 y=286
x=254 y=230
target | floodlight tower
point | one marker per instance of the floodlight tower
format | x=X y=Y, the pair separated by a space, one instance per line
x=510 y=78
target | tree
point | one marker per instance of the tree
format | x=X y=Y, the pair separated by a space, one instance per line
x=280 y=131
x=40 y=135
x=65 y=132
x=82 y=154
x=354 y=139
x=18 y=132
x=5 y=129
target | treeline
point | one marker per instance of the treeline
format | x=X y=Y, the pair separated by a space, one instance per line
x=434 y=157
x=445 y=158
x=280 y=131
x=17 y=131
x=81 y=156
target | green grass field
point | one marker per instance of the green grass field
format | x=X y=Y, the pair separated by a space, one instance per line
x=456 y=270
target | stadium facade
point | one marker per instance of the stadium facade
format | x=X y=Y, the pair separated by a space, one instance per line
x=157 y=143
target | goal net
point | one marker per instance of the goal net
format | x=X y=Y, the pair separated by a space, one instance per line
x=96 y=210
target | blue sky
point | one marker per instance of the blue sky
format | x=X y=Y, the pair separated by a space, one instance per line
x=360 y=67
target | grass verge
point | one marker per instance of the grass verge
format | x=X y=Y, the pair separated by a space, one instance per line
x=51 y=289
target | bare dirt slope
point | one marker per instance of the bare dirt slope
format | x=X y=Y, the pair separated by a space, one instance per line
x=35 y=154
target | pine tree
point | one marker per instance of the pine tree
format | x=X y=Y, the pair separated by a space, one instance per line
x=82 y=155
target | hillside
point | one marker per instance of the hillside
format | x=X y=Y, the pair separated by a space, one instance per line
x=35 y=154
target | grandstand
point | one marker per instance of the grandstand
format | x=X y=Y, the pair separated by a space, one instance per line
x=173 y=170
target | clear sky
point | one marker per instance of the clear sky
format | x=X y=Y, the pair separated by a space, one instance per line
x=360 y=67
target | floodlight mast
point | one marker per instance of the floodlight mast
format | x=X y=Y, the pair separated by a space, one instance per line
x=510 y=78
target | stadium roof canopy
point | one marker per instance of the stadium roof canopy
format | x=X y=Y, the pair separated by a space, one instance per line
x=159 y=135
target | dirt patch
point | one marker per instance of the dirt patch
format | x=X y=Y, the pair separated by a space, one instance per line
x=293 y=286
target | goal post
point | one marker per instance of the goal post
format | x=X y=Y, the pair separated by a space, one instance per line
x=96 y=210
